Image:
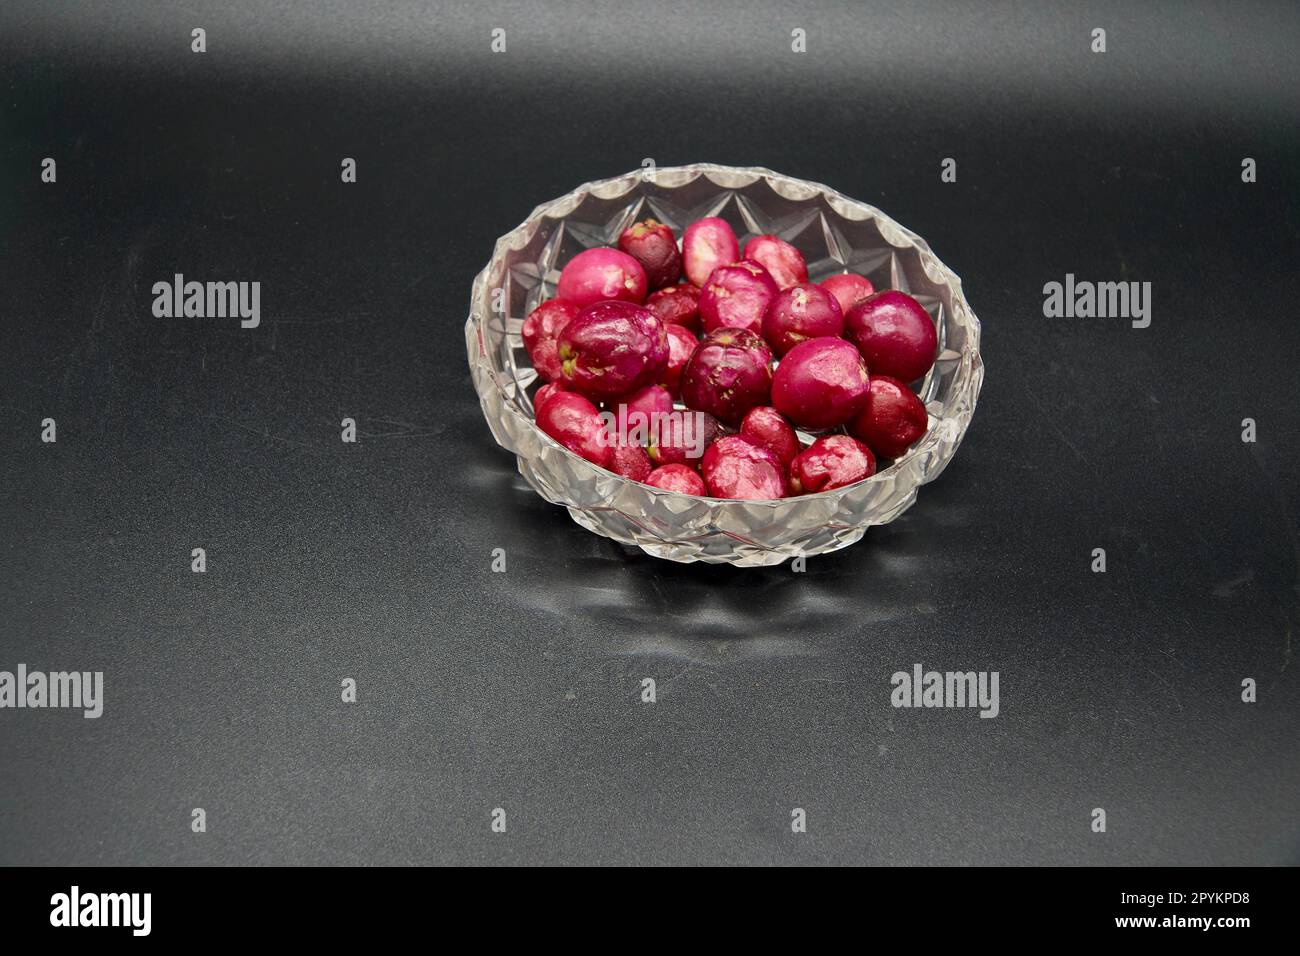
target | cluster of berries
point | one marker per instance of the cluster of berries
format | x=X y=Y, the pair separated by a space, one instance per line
x=699 y=386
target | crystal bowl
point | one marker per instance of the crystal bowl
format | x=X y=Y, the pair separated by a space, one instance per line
x=835 y=234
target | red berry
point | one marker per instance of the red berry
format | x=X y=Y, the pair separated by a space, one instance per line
x=820 y=383
x=707 y=244
x=653 y=245
x=832 y=461
x=801 y=312
x=595 y=275
x=636 y=415
x=894 y=333
x=682 y=439
x=613 y=348
x=576 y=424
x=735 y=468
x=677 y=478
x=729 y=373
x=681 y=345
x=677 y=305
x=541 y=330
x=736 y=296
x=766 y=427
x=545 y=393
x=630 y=461
x=783 y=261
x=893 y=418
x=848 y=289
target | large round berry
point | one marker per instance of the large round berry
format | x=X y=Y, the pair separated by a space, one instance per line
x=679 y=478
x=736 y=296
x=736 y=468
x=541 y=331
x=894 y=333
x=613 y=348
x=707 y=244
x=575 y=423
x=832 y=461
x=893 y=418
x=729 y=373
x=848 y=289
x=677 y=305
x=595 y=275
x=766 y=427
x=783 y=261
x=820 y=383
x=653 y=244
x=544 y=394
x=801 y=312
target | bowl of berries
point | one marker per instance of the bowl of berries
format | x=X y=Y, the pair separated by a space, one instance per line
x=722 y=364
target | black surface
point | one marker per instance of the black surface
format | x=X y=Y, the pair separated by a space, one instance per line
x=520 y=690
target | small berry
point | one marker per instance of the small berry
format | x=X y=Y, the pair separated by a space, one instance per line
x=892 y=420
x=595 y=275
x=766 y=427
x=801 y=312
x=894 y=333
x=729 y=373
x=541 y=330
x=707 y=244
x=736 y=296
x=783 y=261
x=677 y=305
x=848 y=289
x=653 y=244
x=832 y=461
x=679 y=478
x=575 y=423
x=820 y=383
x=613 y=348
x=735 y=468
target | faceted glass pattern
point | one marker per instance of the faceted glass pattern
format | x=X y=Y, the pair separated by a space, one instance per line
x=835 y=234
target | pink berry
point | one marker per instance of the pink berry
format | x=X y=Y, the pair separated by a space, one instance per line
x=677 y=305
x=576 y=424
x=681 y=345
x=735 y=468
x=766 y=427
x=832 y=461
x=801 y=312
x=679 y=478
x=683 y=438
x=541 y=330
x=595 y=275
x=636 y=415
x=736 y=296
x=848 y=289
x=653 y=244
x=820 y=383
x=707 y=244
x=545 y=393
x=894 y=333
x=729 y=373
x=893 y=418
x=613 y=348
x=630 y=461
x=783 y=261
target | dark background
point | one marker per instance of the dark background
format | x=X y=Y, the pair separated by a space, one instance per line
x=520 y=690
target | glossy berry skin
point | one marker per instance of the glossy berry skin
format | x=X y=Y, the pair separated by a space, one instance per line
x=832 y=461
x=636 y=414
x=677 y=305
x=894 y=333
x=707 y=244
x=736 y=296
x=541 y=331
x=766 y=427
x=728 y=374
x=679 y=478
x=784 y=263
x=684 y=443
x=821 y=383
x=893 y=419
x=612 y=349
x=801 y=312
x=630 y=461
x=575 y=423
x=848 y=289
x=545 y=393
x=595 y=275
x=735 y=468
x=681 y=346
x=653 y=244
